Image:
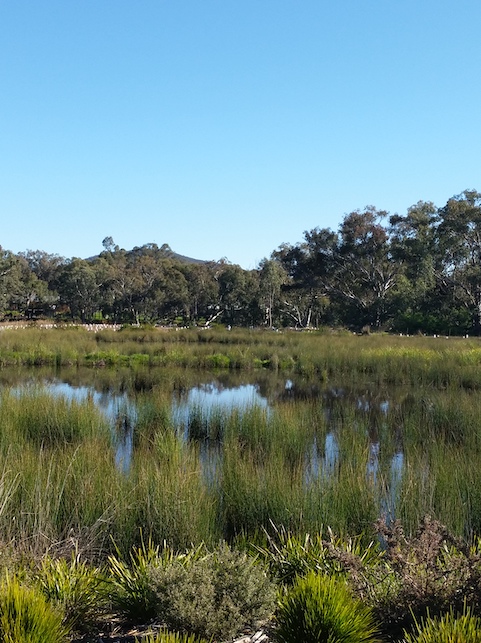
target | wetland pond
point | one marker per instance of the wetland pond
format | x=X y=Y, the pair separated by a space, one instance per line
x=196 y=401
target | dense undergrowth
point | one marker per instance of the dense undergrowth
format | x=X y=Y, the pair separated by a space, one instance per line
x=310 y=588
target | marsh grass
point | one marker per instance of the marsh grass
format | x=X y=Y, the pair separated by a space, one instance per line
x=230 y=474
x=31 y=415
x=324 y=459
x=330 y=356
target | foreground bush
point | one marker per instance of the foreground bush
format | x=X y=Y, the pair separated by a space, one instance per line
x=78 y=590
x=214 y=596
x=429 y=573
x=133 y=595
x=450 y=628
x=290 y=556
x=26 y=617
x=320 y=609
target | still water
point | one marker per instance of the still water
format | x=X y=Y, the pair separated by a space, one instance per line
x=117 y=398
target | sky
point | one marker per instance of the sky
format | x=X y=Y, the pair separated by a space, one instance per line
x=225 y=128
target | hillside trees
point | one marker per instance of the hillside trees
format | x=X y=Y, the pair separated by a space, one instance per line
x=79 y=289
x=238 y=295
x=418 y=271
x=203 y=292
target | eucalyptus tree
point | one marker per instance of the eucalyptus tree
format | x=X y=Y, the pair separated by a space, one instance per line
x=169 y=292
x=238 y=302
x=121 y=286
x=272 y=276
x=304 y=294
x=365 y=274
x=28 y=295
x=44 y=265
x=459 y=243
x=203 y=291
x=415 y=250
x=350 y=271
x=78 y=288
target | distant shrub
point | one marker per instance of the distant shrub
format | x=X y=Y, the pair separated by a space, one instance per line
x=218 y=360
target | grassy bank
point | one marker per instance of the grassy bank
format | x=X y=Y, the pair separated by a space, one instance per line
x=382 y=359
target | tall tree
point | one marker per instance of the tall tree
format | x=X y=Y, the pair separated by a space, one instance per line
x=459 y=239
x=272 y=277
x=78 y=288
x=366 y=273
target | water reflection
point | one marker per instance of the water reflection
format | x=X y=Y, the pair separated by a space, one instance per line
x=194 y=405
x=321 y=463
x=207 y=399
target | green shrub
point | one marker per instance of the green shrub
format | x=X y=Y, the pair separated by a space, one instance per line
x=26 y=617
x=215 y=596
x=450 y=628
x=320 y=609
x=218 y=360
x=79 y=590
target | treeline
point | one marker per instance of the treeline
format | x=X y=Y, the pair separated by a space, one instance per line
x=418 y=272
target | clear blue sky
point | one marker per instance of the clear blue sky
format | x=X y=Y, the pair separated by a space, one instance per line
x=225 y=128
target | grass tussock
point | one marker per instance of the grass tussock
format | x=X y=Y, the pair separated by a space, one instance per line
x=321 y=609
x=449 y=628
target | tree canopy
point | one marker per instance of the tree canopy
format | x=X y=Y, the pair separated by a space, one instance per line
x=413 y=272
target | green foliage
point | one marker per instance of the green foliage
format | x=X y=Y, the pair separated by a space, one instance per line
x=216 y=595
x=291 y=556
x=133 y=595
x=26 y=617
x=449 y=628
x=321 y=609
x=78 y=589
x=217 y=360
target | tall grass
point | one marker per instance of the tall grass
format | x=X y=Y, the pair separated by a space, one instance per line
x=327 y=460
x=33 y=416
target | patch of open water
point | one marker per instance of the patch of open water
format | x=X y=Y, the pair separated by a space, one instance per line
x=120 y=409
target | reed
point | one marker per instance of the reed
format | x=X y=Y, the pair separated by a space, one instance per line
x=167 y=498
x=30 y=415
